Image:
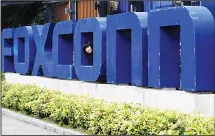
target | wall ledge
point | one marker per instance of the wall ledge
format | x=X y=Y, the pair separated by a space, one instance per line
x=162 y=99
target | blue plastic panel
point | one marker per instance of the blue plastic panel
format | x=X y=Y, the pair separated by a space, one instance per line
x=171 y=33
x=164 y=4
x=63 y=50
x=124 y=6
x=24 y=50
x=156 y=4
x=43 y=64
x=93 y=30
x=127 y=48
x=7 y=50
x=150 y=5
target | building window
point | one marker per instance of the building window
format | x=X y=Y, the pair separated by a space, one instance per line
x=137 y=6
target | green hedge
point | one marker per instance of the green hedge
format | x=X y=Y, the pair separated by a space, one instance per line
x=2 y=76
x=95 y=116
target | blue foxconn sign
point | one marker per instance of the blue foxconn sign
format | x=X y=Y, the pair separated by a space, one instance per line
x=168 y=47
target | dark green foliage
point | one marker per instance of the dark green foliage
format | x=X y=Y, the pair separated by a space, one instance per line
x=95 y=116
x=2 y=76
x=23 y=14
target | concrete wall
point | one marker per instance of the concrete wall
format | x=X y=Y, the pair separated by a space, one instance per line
x=156 y=98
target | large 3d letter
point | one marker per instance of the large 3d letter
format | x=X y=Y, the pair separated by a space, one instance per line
x=7 y=50
x=24 y=50
x=90 y=30
x=43 y=64
x=127 y=49
x=191 y=30
x=63 y=49
x=210 y=5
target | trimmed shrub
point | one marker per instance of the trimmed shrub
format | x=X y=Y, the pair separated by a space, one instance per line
x=96 y=116
x=2 y=76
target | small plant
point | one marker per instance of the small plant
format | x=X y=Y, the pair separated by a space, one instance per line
x=2 y=76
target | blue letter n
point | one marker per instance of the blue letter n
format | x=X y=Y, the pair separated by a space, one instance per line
x=181 y=48
x=127 y=49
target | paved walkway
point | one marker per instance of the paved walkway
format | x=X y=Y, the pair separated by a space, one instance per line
x=11 y=126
